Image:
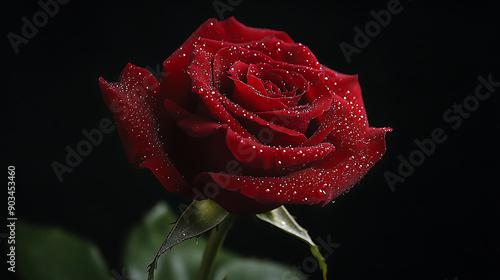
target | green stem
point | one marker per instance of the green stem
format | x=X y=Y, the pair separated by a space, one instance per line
x=217 y=236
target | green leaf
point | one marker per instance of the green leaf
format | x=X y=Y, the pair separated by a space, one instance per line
x=183 y=261
x=198 y=218
x=51 y=253
x=282 y=219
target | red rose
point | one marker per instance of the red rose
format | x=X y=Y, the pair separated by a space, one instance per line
x=248 y=118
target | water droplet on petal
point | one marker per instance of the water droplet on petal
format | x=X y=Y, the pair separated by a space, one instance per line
x=321 y=193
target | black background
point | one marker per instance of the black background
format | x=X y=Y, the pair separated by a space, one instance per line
x=437 y=224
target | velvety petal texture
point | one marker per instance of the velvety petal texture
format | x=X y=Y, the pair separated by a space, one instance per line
x=248 y=118
x=133 y=102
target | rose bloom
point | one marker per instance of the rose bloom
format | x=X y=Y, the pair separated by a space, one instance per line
x=246 y=117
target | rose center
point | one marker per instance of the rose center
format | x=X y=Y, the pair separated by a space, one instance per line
x=263 y=83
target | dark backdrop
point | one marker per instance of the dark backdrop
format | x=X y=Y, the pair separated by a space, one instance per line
x=437 y=224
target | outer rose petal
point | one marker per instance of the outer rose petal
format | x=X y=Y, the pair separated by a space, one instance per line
x=282 y=50
x=133 y=101
x=308 y=186
x=347 y=87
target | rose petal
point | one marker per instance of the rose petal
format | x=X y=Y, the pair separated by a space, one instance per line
x=176 y=84
x=309 y=186
x=347 y=87
x=299 y=118
x=134 y=102
x=239 y=71
x=256 y=155
x=203 y=85
x=257 y=84
x=193 y=125
x=284 y=79
x=287 y=52
x=318 y=96
x=222 y=66
x=345 y=129
x=267 y=132
x=291 y=119
x=251 y=99
x=350 y=124
x=233 y=31
x=273 y=90
x=225 y=111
